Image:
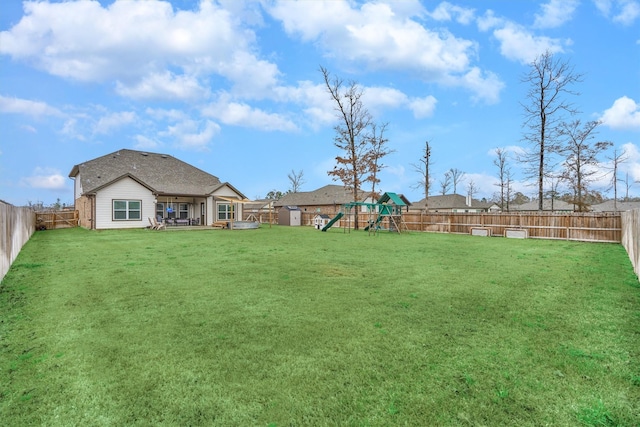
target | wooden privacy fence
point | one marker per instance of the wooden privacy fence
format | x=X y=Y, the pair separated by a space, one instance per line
x=17 y=225
x=593 y=227
x=56 y=219
x=631 y=237
x=590 y=227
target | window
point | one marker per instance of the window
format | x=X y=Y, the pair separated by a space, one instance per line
x=224 y=211
x=159 y=210
x=124 y=210
x=184 y=210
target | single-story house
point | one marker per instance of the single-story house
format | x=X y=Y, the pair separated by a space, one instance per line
x=125 y=188
x=555 y=205
x=325 y=200
x=617 y=206
x=453 y=203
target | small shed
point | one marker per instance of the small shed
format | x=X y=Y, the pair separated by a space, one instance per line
x=290 y=215
x=320 y=220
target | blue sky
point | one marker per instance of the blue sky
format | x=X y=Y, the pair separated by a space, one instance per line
x=233 y=87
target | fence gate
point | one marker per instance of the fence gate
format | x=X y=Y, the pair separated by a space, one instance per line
x=56 y=219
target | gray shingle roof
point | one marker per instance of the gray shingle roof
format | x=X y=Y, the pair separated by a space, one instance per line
x=327 y=195
x=558 y=205
x=610 y=206
x=449 y=201
x=162 y=173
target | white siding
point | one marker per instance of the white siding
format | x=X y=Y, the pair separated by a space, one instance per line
x=77 y=186
x=125 y=189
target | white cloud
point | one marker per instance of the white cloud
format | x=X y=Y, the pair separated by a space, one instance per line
x=632 y=164
x=376 y=36
x=144 y=143
x=190 y=135
x=518 y=44
x=423 y=107
x=240 y=114
x=486 y=87
x=446 y=11
x=489 y=20
x=134 y=43
x=163 y=86
x=29 y=128
x=376 y=97
x=555 y=13
x=113 y=121
x=27 y=107
x=45 y=178
x=623 y=114
x=624 y=12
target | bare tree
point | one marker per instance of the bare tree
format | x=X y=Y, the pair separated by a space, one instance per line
x=508 y=189
x=627 y=186
x=616 y=159
x=581 y=157
x=295 y=180
x=554 y=181
x=549 y=81
x=361 y=160
x=445 y=183
x=352 y=135
x=378 y=151
x=471 y=190
x=456 y=178
x=503 y=170
x=423 y=167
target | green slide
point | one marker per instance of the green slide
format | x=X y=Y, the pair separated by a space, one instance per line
x=333 y=221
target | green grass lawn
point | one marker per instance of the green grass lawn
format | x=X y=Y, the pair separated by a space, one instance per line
x=288 y=326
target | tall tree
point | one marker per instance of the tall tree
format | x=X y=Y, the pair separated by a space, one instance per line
x=471 y=190
x=616 y=159
x=456 y=178
x=445 y=183
x=581 y=157
x=503 y=171
x=377 y=152
x=550 y=81
x=423 y=167
x=353 y=137
x=274 y=195
x=296 y=179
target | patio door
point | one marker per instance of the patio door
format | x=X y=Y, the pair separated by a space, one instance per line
x=202 y=213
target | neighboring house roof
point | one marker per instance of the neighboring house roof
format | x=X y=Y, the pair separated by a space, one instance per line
x=162 y=173
x=611 y=206
x=558 y=205
x=449 y=201
x=327 y=195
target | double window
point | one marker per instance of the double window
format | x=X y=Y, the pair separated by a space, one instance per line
x=126 y=210
x=224 y=211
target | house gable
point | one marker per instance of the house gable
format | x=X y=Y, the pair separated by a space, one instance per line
x=125 y=188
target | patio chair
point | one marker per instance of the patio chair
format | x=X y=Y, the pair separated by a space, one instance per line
x=159 y=225
x=152 y=225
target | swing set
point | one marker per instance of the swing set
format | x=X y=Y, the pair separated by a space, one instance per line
x=386 y=214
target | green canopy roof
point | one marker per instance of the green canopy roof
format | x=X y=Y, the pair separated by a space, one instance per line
x=393 y=198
